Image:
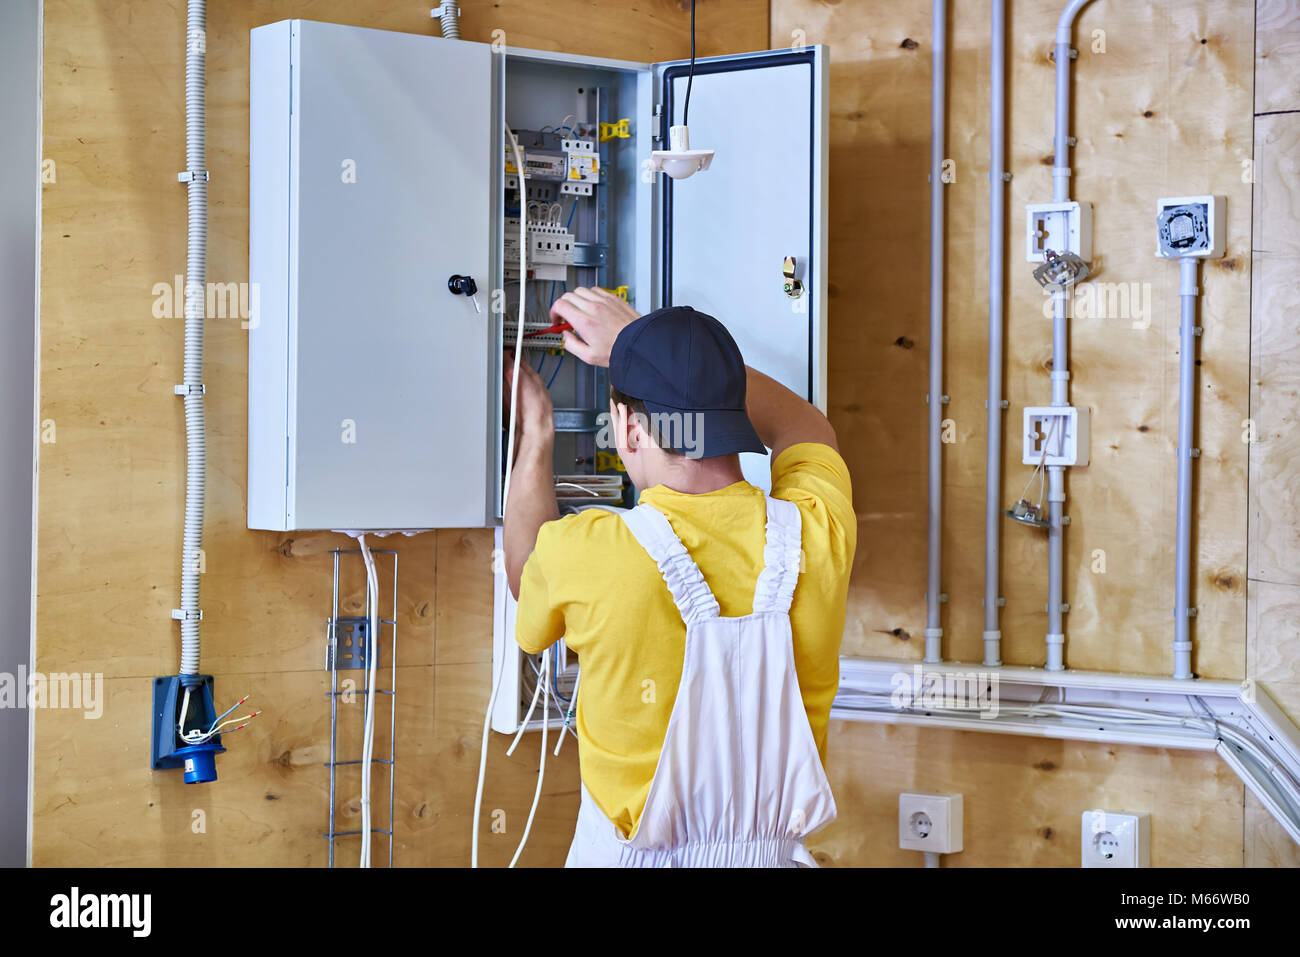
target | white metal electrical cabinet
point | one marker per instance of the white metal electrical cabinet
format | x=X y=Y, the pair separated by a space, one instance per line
x=377 y=174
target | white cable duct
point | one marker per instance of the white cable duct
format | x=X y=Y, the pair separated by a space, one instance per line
x=934 y=508
x=505 y=493
x=191 y=388
x=1240 y=722
x=1055 y=638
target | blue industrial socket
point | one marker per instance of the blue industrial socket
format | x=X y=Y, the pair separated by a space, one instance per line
x=168 y=749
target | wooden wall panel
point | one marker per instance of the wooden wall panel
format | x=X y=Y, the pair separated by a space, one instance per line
x=1273 y=634
x=112 y=484
x=1277 y=52
x=1165 y=110
x=1142 y=133
x=1023 y=798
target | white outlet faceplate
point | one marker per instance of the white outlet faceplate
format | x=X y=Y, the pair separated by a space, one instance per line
x=1115 y=839
x=1061 y=432
x=929 y=822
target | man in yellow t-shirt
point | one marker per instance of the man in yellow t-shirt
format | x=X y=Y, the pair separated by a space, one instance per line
x=586 y=579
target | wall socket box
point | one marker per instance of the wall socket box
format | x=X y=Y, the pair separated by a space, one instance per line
x=930 y=822
x=1059 y=227
x=1115 y=839
x=1189 y=226
x=1062 y=432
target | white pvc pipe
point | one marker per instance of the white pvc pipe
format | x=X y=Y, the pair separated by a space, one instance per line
x=196 y=270
x=1055 y=637
x=997 y=269
x=1187 y=332
x=938 y=106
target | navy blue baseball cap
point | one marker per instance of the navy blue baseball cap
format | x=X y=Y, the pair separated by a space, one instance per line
x=684 y=365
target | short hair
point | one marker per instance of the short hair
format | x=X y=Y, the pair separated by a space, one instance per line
x=637 y=407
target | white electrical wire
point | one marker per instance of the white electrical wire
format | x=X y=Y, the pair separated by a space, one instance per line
x=1041 y=462
x=541 y=771
x=372 y=661
x=537 y=690
x=510 y=455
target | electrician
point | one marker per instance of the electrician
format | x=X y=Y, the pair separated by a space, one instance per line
x=707 y=620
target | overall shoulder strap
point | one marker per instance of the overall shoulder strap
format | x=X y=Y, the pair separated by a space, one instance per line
x=685 y=583
x=782 y=557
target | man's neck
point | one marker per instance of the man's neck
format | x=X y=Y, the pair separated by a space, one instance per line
x=699 y=476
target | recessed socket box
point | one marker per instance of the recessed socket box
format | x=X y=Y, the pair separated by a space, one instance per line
x=1060 y=228
x=1115 y=839
x=1189 y=226
x=1055 y=435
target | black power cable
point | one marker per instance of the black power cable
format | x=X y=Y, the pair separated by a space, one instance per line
x=686 y=110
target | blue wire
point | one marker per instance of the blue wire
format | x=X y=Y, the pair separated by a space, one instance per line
x=572 y=209
x=555 y=664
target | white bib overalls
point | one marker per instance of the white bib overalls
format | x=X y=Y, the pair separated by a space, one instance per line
x=739 y=782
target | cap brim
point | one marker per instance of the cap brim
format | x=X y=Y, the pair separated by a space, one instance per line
x=706 y=434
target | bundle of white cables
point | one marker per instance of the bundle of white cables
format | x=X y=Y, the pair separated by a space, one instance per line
x=543 y=684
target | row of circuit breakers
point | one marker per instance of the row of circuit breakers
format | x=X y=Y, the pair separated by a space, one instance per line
x=556 y=166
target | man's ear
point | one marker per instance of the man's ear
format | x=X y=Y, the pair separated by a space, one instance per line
x=620 y=419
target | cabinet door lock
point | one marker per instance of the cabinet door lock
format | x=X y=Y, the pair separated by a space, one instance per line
x=793 y=287
x=459 y=285
x=462 y=285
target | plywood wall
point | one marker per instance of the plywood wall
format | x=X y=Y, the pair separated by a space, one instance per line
x=1166 y=109
x=1163 y=106
x=112 y=482
x=1273 y=625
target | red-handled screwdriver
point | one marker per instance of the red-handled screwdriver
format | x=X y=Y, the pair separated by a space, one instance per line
x=561 y=326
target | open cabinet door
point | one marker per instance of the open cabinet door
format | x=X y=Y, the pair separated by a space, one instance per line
x=371 y=173
x=726 y=233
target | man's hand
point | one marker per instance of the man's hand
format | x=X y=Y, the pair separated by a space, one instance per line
x=598 y=317
x=534 y=421
x=532 y=474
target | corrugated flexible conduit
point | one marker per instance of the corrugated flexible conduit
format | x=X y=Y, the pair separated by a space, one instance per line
x=191 y=389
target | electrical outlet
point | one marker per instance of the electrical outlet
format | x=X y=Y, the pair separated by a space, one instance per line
x=1115 y=839
x=930 y=822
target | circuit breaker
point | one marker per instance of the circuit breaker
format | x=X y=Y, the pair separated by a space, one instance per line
x=385 y=240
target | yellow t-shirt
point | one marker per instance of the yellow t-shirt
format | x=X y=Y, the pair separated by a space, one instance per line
x=590 y=582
